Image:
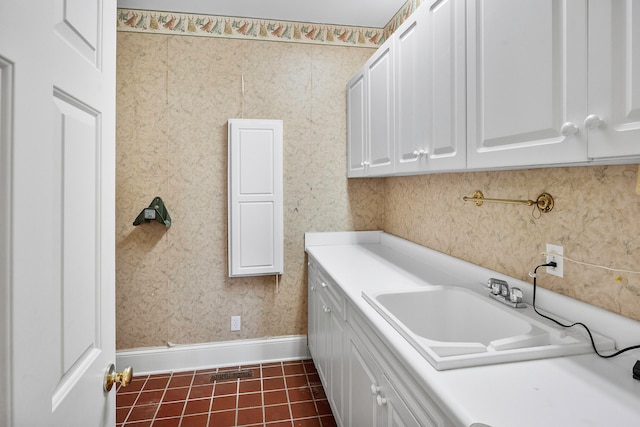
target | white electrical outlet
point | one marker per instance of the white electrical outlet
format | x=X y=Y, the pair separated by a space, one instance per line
x=553 y=250
x=235 y=323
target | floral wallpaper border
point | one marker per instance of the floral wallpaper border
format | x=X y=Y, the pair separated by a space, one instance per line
x=403 y=14
x=155 y=22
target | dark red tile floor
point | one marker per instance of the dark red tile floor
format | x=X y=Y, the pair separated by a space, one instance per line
x=282 y=394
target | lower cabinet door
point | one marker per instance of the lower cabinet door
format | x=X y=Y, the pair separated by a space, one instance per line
x=362 y=386
x=335 y=373
x=395 y=410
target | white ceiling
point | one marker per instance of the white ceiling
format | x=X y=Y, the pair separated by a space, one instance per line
x=361 y=13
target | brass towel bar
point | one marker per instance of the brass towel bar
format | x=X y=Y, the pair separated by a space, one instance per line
x=544 y=202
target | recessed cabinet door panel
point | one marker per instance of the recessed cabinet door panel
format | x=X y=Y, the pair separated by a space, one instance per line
x=614 y=78
x=446 y=88
x=527 y=79
x=397 y=413
x=362 y=377
x=336 y=364
x=410 y=94
x=356 y=126
x=255 y=197
x=381 y=112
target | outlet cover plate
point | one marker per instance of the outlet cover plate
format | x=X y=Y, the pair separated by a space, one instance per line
x=235 y=323
x=559 y=250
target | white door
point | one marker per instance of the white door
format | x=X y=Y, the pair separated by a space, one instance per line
x=57 y=66
x=614 y=78
x=526 y=68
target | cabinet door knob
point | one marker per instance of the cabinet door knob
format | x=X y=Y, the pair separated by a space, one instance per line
x=313 y=288
x=326 y=309
x=375 y=389
x=593 y=121
x=324 y=285
x=381 y=400
x=569 y=128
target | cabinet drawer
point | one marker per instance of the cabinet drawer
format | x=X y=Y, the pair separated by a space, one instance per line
x=331 y=293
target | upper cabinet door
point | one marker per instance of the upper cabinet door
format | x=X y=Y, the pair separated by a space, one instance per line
x=444 y=45
x=356 y=126
x=614 y=78
x=410 y=94
x=380 y=106
x=526 y=67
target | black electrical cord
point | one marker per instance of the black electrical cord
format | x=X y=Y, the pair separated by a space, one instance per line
x=593 y=344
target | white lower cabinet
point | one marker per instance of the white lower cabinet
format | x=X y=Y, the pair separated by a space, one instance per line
x=371 y=399
x=326 y=332
x=365 y=383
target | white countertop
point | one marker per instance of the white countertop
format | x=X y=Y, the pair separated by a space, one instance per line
x=583 y=390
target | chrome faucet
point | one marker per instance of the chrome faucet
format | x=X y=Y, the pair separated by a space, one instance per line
x=500 y=291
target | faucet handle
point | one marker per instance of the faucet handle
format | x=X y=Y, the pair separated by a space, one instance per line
x=515 y=295
x=504 y=290
x=496 y=286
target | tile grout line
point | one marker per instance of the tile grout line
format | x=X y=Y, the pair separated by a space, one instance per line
x=262 y=390
x=186 y=398
x=166 y=386
x=286 y=384
x=133 y=405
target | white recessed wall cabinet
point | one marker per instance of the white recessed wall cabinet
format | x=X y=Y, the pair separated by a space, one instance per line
x=255 y=194
x=535 y=83
x=370 y=123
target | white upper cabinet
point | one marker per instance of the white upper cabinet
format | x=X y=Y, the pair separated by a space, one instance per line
x=410 y=92
x=500 y=84
x=445 y=88
x=370 y=121
x=356 y=126
x=526 y=68
x=614 y=78
x=380 y=107
x=429 y=55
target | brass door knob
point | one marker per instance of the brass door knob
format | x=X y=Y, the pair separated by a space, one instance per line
x=112 y=377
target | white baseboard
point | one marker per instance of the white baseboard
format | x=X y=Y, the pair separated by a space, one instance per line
x=212 y=355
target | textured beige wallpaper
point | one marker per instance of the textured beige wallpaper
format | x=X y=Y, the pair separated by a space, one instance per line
x=174 y=96
x=596 y=219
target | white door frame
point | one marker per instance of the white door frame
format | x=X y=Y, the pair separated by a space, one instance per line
x=6 y=100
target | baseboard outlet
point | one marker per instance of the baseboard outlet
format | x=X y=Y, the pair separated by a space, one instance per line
x=213 y=355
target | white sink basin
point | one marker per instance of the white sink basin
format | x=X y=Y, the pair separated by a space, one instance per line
x=454 y=327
